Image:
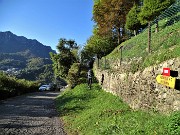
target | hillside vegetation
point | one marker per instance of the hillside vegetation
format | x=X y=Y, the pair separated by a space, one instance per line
x=164 y=46
x=96 y=112
x=25 y=58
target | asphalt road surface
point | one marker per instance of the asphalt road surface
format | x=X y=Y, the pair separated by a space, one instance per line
x=31 y=114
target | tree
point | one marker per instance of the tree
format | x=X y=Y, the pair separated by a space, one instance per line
x=100 y=46
x=132 y=21
x=110 y=16
x=66 y=57
x=86 y=54
x=149 y=11
x=97 y=46
x=54 y=58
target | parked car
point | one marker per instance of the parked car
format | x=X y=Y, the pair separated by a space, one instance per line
x=44 y=87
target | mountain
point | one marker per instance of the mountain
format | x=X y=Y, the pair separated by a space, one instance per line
x=25 y=58
x=11 y=43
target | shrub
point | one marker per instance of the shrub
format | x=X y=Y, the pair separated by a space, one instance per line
x=10 y=86
x=73 y=75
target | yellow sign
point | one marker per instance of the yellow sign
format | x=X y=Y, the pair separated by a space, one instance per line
x=166 y=80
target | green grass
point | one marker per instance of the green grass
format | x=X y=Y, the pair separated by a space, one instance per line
x=164 y=45
x=96 y=112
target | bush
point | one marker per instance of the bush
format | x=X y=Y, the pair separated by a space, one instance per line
x=83 y=74
x=77 y=75
x=16 y=87
x=73 y=75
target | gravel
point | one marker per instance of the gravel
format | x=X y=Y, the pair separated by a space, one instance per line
x=29 y=114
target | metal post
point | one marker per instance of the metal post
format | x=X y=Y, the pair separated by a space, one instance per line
x=121 y=54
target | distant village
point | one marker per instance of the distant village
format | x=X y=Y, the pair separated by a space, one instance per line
x=10 y=70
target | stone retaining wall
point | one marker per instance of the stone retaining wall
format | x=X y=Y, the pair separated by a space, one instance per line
x=140 y=90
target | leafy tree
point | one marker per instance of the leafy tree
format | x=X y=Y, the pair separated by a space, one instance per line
x=149 y=11
x=67 y=56
x=86 y=54
x=101 y=46
x=54 y=58
x=110 y=16
x=132 y=21
x=97 y=46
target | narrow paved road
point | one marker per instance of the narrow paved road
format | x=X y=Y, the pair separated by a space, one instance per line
x=33 y=113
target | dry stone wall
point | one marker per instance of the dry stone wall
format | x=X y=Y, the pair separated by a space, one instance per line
x=141 y=90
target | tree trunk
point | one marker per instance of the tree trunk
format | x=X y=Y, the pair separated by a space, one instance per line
x=119 y=36
x=135 y=33
x=121 y=55
x=105 y=62
x=149 y=37
x=98 y=62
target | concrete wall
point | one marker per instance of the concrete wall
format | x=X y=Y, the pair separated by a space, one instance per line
x=140 y=90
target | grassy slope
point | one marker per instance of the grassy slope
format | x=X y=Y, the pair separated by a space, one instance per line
x=164 y=45
x=96 y=112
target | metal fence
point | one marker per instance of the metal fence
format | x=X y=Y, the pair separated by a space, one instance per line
x=171 y=15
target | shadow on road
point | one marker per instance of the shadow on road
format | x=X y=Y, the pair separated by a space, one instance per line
x=34 y=111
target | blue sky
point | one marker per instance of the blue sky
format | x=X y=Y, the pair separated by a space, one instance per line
x=48 y=20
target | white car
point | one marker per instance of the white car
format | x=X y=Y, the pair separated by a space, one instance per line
x=44 y=87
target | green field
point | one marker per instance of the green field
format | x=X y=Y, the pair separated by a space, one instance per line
x=96 y=112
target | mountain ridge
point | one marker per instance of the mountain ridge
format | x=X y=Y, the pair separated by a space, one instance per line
x=11 y=43
x=25 y=58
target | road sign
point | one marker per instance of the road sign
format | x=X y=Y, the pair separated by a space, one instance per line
x=166 y=80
